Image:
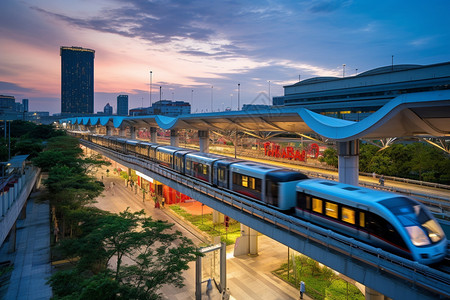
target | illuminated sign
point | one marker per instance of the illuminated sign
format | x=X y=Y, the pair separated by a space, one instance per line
x=275 y=150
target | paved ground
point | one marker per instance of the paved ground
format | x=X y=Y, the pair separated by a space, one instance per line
x=247 y=277
x=32 y=257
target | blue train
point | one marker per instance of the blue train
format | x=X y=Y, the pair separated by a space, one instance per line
x=390 y=221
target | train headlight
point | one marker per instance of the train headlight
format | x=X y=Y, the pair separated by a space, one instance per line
x=418 y=236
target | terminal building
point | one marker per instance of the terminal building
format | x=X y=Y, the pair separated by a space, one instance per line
x=356 y=97
x=163 y=108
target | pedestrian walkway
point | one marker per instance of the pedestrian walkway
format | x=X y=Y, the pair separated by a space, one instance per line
x=31 y=260
x=247 y=277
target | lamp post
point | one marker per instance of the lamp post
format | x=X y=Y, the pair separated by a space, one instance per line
x=239 y=95
x=192 y=99
x=343 y=70
x=212 y=88
x=150 y=88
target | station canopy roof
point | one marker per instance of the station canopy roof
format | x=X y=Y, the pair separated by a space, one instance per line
x=414 y=114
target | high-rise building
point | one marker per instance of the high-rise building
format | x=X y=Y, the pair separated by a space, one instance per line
x=25 y=105
x=122 y=105
x=77 y=80
x=108 y=110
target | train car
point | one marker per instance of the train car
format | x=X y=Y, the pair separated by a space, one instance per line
x=272 y=185
x=165 y=155
x=200 y=165
x=144 y=148
x=132 y=146
x=221 y=171
x=179 y=160
x=389 y=221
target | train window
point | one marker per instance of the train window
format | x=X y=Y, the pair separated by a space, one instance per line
x=221 y=174
x=362 y=219
x=348 y=215
x=244 y=181
x=258 y=183
x=331 y=209
x=188 y=165
x=205 y=169
x=317 y=205
x=251 y=183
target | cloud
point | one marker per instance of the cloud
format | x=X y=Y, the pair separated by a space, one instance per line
x=327 y=6
x=10 y=88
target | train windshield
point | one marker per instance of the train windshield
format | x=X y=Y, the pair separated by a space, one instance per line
x=418 y=222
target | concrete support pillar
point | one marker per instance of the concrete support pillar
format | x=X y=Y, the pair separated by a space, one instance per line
x=348 y=156
x=23 y=212
x=174 y=138
x=108 y=130
x=217 y=217
x=12 y=239
x=247 y=243
x=203 y=136
x=132 y=132
x=373 y=295
x=152 y=134
x=3 y=206
x=253 y=242
x=122 y=131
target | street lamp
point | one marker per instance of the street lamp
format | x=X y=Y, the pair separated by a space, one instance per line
x=239 y=95
x=212 y=98
x=150 y=88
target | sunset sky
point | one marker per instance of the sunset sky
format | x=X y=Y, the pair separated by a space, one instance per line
x=201 y=50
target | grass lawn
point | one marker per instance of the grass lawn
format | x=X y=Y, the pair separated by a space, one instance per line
x=205 y=224
x=320 y=282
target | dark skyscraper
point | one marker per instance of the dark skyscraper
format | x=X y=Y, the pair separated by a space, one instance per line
x=77 y=80
x=122 y=105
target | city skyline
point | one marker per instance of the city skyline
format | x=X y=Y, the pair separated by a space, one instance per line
x=198 y=52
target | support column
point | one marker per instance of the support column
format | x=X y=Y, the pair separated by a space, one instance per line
x=132 y=132
x=253 y=242
x=217 y=217
x=12 y=239
x=108 y=130
x=174 y=138
x=247 y=243
x=122 y=131
x=373 y=295
x=152 y=134
x=348 y=160
x=203 y=137
x=23 y=212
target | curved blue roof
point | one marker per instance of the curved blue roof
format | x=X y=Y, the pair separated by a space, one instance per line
x=426 y=113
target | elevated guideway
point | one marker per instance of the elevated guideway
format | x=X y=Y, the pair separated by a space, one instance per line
x=388 y=274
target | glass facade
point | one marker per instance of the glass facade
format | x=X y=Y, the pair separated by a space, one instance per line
x=122 y=105
x=77 y=80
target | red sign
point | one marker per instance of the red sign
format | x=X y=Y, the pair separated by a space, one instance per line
x=275 y=150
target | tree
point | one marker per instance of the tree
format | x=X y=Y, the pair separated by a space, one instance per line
x=159 y=255
x=330 y=157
